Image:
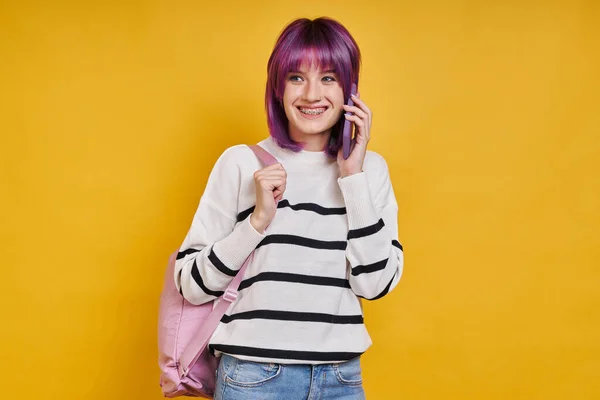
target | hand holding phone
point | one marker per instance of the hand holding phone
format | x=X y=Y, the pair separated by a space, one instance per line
x=347 y=129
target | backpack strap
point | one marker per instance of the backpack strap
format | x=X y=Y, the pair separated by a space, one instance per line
x=199 y=342
x=264 y=156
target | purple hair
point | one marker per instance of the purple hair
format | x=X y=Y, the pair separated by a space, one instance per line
x=327 y=44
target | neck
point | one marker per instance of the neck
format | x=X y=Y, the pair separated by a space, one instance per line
x=312 y=142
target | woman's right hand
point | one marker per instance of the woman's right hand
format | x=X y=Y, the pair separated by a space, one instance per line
x=270 y=185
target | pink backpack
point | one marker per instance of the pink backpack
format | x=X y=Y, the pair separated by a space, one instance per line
x=187 y=367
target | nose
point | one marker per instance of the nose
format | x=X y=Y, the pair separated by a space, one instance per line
x=313 y=91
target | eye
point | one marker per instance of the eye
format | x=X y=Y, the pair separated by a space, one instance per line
x=329 y=78
x=295 y=78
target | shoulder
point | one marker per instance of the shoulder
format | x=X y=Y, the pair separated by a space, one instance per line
x=375 y=164
x=235 y=159
x=235 y=154
x=232 y=170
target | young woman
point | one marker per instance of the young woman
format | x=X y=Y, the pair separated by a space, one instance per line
x=321 y=229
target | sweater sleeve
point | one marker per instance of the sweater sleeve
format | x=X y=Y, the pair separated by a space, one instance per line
x=215 y=246
x=374 y=254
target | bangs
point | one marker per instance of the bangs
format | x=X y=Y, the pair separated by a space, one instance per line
x=311 y=55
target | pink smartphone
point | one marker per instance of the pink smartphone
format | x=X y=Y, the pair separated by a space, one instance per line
x=347 y=129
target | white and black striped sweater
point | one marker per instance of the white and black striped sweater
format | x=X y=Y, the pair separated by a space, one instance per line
x=332 y=239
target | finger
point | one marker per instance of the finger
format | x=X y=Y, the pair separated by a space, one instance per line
x=271 y=174
x=270 y=168
x=270 y=184
x=278 y=193
x=271 y=180
x=279 y=188
x=356 y=111
x=358 y=121
x=273 y=167
x=361 y=104
x=360 y=130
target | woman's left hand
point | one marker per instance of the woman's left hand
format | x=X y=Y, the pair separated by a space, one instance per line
x=362 y=120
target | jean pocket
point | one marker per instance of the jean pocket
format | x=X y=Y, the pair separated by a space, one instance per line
x=349 y=372
x=251 y=374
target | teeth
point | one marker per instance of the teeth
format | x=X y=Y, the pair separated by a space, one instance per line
x=312 y=111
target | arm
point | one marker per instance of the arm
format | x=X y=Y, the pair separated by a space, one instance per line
x=374 y=254
x=215 y=247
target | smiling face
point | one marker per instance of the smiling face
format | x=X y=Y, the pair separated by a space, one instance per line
x=312 y=101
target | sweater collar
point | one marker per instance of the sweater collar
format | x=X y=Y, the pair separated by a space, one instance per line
x=303 y=156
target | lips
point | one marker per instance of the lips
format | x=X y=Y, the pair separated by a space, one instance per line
x=312 y=110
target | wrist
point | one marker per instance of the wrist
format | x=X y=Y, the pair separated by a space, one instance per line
x=259 y=224
x=345 y=174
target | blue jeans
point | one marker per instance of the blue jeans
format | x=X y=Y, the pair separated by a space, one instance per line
x=244 y=380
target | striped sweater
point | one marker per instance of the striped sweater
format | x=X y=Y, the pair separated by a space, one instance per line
x=332 y=241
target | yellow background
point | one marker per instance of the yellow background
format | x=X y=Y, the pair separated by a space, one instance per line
x=112 y=114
